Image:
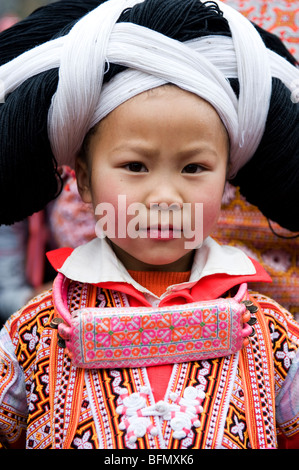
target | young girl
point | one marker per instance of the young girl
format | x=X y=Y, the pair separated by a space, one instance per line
x=150 y=338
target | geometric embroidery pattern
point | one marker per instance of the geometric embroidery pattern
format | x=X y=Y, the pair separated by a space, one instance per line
x=235 y=432
x=134 y=337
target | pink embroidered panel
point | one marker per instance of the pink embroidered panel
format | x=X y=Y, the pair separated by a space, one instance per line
x=136 y=337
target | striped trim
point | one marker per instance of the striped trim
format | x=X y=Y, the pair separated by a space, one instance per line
x=257 y=370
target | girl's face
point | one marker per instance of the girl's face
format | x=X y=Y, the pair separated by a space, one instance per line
x=152 y=164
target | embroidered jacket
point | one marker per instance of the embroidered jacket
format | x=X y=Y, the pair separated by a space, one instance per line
x=245 y=400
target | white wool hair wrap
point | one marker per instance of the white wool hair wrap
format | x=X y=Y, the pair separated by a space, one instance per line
x=200 y=66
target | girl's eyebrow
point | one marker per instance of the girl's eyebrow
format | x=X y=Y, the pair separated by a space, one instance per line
x=135 y=148
x=151 y=151
x=190 y=152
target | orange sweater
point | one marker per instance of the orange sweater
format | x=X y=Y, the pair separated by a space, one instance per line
x=157 y=282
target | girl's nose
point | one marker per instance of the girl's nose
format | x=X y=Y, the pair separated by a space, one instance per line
x=164 y=195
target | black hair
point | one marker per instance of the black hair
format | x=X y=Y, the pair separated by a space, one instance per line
x=29 y=177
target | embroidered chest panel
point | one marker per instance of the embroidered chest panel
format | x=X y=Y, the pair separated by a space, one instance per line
x=86 y=409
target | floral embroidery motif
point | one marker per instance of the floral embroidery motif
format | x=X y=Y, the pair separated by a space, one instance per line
x=286 y=356
x=238 y=428
x=182 y=413
x=83 y=443
x=32 y=338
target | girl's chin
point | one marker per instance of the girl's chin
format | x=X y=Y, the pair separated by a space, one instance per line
x=154 y=260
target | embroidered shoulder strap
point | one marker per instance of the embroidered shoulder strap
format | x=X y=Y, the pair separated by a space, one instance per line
x=257 y=370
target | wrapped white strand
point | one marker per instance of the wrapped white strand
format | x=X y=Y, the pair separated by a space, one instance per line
x=282 y=69
x=121 y=87
x=218 y=50
x=128 y=42
x=254 y=78
x=81 y=74
x=39 y=59
x=129 y=83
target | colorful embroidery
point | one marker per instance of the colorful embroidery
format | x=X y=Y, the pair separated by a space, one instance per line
x=32 y=329
x=235 y=431
x=135 y=337
x=12 y=426
x=85 y=407
x=182 y=412
x=259 y=388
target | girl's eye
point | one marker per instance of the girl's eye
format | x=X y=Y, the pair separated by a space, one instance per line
x=192 y=168
x=136 y=167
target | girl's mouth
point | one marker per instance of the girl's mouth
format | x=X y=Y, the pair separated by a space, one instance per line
x=163 y=233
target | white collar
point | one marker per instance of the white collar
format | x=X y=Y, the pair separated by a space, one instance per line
x=96 y=262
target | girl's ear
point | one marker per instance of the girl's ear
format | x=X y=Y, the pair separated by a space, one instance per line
x=83 y=180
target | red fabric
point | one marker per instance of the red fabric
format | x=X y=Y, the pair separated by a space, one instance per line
x=288 y=442
x=212 y=287
x=159 y=377
x=58 y=257
x=37 y=239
